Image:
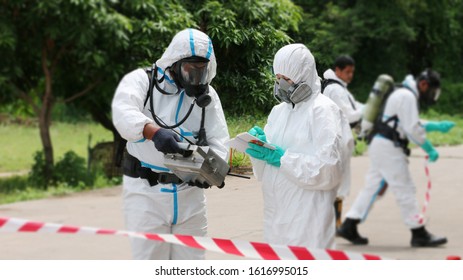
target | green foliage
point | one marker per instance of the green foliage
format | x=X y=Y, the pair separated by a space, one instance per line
x=89 y=45
x=94 y=43
x=453 y=137
x=450 y=101
x=394 y=37
x=239 y=160
x=236 y=125
x=37 y=176
x=19 y=142
x=246 y=35
x=71 y=169
x=69 y=113
x=9 y=192
x=13 y=184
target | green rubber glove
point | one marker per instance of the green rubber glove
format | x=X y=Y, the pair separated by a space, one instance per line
x=429 y=149
x=270 y=156
x=259 y=133
x=443 y=126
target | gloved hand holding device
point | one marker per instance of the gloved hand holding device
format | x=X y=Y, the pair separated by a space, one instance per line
x=166 y=141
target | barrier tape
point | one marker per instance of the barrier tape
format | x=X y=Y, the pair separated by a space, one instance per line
x=427 y=196
x=255 y=250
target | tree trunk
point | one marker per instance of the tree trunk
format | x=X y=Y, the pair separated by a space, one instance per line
x=45 y=118
x=45 y=137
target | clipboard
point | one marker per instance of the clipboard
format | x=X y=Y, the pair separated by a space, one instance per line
x=240 y=142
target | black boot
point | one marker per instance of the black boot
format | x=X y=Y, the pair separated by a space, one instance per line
x=348 y=230
x=422 y=238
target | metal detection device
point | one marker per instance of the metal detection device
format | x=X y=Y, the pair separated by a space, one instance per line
x=198 y=163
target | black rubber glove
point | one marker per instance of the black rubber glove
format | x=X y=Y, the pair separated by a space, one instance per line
x=198 y=184
x=166 y=141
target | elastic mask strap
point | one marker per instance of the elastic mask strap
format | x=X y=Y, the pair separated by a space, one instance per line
x=158 y=120
x=156 y=84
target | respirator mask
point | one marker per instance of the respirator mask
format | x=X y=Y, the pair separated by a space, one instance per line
x=191 y=74
x=431 y=95
x=291 y=93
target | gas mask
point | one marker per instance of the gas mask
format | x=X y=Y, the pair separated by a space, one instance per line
x=191 y=74
x=291 y=93
x=431 y=95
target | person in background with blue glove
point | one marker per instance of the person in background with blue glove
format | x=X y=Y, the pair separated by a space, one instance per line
x=388 y=153
x=176 y=94
x=312 y=140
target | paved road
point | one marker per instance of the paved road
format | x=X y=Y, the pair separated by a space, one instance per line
x=236 y=212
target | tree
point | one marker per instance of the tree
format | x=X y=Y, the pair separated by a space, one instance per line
x=395 y=37
x=60 y=51
x=246 y=35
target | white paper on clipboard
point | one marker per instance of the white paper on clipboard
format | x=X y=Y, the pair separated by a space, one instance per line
x=240 y=142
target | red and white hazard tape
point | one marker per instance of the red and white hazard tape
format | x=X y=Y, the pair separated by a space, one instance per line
x=255 y=250
x=427 y=196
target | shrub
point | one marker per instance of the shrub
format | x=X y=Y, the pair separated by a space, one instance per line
x=37 y=176
x=71 y=169
x=10 y=184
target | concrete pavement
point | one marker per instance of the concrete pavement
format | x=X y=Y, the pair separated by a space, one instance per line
x=235 y=212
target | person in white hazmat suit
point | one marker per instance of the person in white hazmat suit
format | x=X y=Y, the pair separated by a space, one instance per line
x=336 y=82
x=388 y=158
x=155 y=200
x=301 y=177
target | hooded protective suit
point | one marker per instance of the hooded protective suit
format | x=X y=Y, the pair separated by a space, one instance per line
x=342 y=97
x=389 y=162
x=299 y=195
x=166 y=208
x=351 y=109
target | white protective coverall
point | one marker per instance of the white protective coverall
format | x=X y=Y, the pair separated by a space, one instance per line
x=351 y=109
x=342 y=97
x=166 y=208
x=299 y=195
x=389 y=162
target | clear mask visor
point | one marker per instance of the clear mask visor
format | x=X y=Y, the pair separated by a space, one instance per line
x=435 y=93
x=194 y=73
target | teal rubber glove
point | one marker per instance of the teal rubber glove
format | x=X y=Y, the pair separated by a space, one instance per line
x=429 y=149
x=270 y=156
x=259 y=133
x=443 y=126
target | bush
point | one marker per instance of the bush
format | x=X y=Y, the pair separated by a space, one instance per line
x=450 y=101
x=37 y=176
x=71 y=169
x=10 y=184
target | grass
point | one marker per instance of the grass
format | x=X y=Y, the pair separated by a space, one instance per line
x=19 y=143
x=23 y=192
x=454 y=137
x=237 y=125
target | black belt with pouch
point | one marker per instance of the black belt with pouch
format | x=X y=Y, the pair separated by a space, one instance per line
x=132 y=168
